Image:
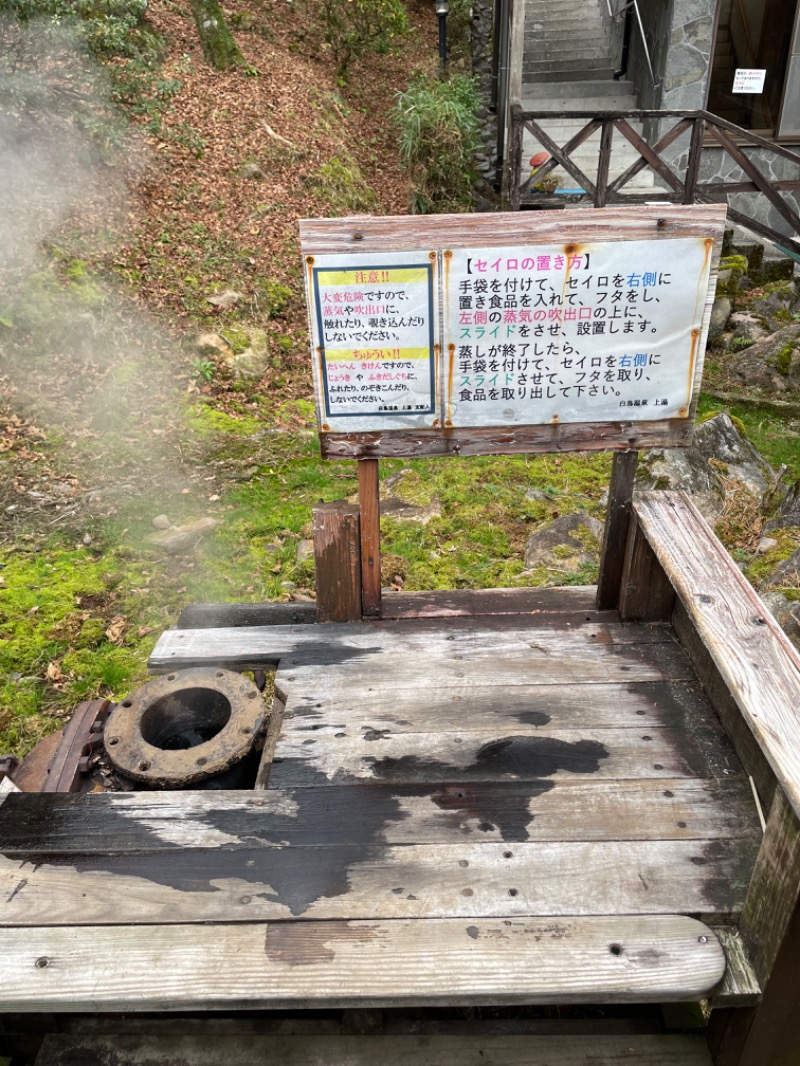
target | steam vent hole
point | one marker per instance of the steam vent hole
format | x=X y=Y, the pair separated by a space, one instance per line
x=185 y=718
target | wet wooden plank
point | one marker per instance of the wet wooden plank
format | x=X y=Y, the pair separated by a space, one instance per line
x=394 y=1050
x=366 y=881
x=540 y=664
x=318 y=703
x=529 y=753
x=612 y=960
x=125 y=822
x=757 y=661
x=335 y=643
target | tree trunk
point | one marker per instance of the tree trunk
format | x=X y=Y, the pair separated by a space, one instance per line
x=219 y=47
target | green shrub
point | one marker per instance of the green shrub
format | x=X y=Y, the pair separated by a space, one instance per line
x=438 y=123
x=352 y=27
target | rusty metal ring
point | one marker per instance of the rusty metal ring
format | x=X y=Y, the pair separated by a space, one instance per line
x=185 y=727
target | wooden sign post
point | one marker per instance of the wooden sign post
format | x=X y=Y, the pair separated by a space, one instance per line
x=507 y=334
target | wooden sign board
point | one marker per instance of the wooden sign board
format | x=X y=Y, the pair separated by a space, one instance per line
x=523 y=332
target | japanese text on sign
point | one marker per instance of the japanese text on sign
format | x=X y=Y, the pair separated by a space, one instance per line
x=608 y=331
x=373 y=324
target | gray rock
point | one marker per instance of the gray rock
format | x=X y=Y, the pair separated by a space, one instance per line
x=718 y=438
x=786 y=573
x=305 y=551
x=161 y=522
x=211 y=344
x=253 y=362
x=181 y=538
x=224 y=301
x=745 y=327
x=788 y=515
x=394 y=507
x=720 y=314
x=787 y=613
x=771 y=364
x=252 y=171
x=689 y=469
x=568 y=543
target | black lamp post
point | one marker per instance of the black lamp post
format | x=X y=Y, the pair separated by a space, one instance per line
x=442 y=7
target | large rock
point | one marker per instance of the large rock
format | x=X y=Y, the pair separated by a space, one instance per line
x=253 y=363
x=691 y=470
x=771 y=365
x=401 y=511
x=720 y=313
x=568 y=543
x=181 y=538
x=788 y=515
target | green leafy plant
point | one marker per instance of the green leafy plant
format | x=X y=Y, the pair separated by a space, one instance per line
x=438 y=124
x=352 y=27
x=204 y=369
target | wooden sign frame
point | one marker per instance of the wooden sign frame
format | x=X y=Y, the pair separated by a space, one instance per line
x=369 y=235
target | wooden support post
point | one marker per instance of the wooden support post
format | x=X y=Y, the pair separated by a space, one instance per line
x=615 y=538
x=646 y=594
x=369 y=501
x=337 y=559
x=769 y=1034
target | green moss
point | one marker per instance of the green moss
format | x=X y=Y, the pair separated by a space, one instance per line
x=341 y=184
x=206 y=422
x=662 y=482
x=276 y=296
x=783 y=359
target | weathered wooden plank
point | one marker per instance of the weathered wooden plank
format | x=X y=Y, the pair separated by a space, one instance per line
x=618 y=513
x=528 y=754
x=344 y=963
x=364 y=234
x=542 y=665
x=219 y=615
x=754 y=656
x=338 y=645
x=337 y=561
x=646 y=593
x=740 y=987
x=315 y=703
x=747 y=747
x=434 y=635
x=394 y=1050
x=509 y=440
x=769 y=1034
x=419 y=881
x=540 y=603
x=124 y=822
x=558 y=603
x=369 y=502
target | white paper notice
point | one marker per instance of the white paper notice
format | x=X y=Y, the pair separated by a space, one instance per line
x=373 y=321
x=539 y=334
x=748 y=81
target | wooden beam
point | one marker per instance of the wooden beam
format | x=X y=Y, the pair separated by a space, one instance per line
x=757 y=661
x=646 y=593
x=337 y=561
x=615 y=538
x=769 y=1034
x=509 y=440
x=369 y=500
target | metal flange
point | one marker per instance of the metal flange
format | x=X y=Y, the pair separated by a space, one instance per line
x=185 y=727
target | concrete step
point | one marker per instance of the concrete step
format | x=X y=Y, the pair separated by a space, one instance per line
x=567 y=70
x=531 y=102
x=534 y=74
x=553 y=57
x=577 y=90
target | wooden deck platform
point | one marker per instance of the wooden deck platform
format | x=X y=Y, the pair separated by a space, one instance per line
x=528 y=808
